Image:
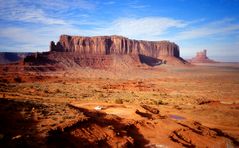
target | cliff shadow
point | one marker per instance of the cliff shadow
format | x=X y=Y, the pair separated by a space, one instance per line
x=39 y=59
x=90 y=130
x=184 y=61
x=150 y=61
x=17 y=124
x=108 y=43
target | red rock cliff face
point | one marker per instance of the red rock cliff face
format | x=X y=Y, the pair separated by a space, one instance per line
x=105 y=45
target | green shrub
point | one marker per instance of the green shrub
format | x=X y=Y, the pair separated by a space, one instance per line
x=159 y=102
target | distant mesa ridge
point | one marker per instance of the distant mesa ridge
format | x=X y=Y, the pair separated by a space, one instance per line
x=106 y=45
x=12 y=57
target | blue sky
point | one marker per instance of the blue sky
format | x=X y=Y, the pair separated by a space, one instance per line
x=27 y=25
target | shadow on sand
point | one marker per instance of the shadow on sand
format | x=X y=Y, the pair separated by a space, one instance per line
x=64 y=138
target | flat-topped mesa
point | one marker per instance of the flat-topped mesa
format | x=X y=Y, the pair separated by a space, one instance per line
x=114 y=45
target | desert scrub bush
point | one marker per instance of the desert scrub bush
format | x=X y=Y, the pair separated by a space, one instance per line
x=4 y=80
x=85 y=95
x=53 y=124
x=61 y=121
x=46 y=91
x=177 y=107
x=159 y=102
x=101 y=95
x=127 y=100
x=154 y=94
x=68 y=117
x=118 y=101
x=54 y=118
x=57 y=90
x=17 y=79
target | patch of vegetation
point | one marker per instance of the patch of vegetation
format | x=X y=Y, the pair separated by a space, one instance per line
x=159 y=102
x=4 y=80
x=57 y=90
x=46 y=91
x=119 y=101
x=17 y=79
x=54 y=118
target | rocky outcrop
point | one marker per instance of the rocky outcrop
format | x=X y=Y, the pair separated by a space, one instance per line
x=201 y=57
x=105 y=45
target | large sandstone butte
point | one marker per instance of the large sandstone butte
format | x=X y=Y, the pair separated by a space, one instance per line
x=201 y=57
x=105 y=52
x=106 y=45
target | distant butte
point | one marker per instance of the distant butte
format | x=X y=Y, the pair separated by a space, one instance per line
x=201 y=57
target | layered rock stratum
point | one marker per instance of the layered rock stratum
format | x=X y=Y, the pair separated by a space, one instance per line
x=106 y=45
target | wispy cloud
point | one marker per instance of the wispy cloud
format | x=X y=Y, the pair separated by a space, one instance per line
x=43 y=12
x=109 y=2
x=32 y=16
x=66 y=4
x=15 y=11
x=222 y=27
x=39 y=22
x=147 y=28
x=29 y=39
x=140 y=28
x=137 y=4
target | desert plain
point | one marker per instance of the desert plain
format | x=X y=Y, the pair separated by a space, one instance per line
x=192 y=105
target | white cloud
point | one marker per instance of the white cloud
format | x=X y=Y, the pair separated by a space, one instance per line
x=34 y=16
x=14 y=11
x=133 y=28
x=40 y=11
x=66 y=4
x=140 y=28
x=19 y=34
x=28 y=39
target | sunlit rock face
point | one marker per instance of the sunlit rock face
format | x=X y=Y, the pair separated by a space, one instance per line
x=105 y=45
